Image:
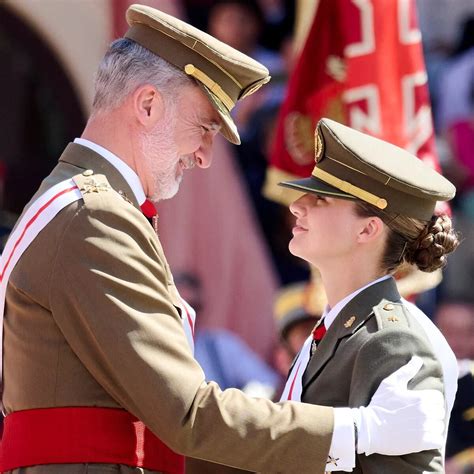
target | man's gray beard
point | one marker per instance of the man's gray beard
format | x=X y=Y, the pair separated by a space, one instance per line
x=162 y=196
x=160 y=148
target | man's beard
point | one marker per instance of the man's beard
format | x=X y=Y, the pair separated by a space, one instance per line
x=159 y=148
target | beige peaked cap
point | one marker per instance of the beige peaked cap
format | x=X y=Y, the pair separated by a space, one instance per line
x=225 y=74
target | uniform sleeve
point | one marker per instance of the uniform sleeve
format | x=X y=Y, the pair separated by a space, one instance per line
x=110 y=299
x=382 y=354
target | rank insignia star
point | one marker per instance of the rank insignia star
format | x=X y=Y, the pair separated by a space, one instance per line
x=392 y=319
x=349 y=322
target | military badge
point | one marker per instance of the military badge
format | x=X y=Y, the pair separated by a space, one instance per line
x=92 y=186
x=349 y=322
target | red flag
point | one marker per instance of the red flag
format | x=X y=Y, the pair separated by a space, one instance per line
x=362 y=65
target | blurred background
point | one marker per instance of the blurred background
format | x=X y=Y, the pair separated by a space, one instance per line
x=226 y=233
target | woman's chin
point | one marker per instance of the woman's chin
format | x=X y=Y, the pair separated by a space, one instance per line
x=294 y=248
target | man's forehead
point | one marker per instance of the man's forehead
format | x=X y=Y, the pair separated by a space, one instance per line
x=209 y=111
x=202 y=109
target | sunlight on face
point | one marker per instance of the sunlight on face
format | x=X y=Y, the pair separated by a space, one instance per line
x=325 y=229
x=180 y=141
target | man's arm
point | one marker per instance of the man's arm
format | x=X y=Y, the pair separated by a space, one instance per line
x=110 y=298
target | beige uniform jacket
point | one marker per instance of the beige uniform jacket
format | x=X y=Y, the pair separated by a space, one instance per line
x=372 y=336
x=91 y=320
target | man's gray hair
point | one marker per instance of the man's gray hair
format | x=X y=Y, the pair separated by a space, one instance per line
x=126 y=66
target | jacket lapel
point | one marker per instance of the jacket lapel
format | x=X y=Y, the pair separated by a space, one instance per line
x=84 y=158
x=351 y=318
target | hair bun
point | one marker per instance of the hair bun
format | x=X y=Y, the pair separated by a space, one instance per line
x=437 y=240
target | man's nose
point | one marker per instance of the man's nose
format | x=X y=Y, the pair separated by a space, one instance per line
x=203 y=156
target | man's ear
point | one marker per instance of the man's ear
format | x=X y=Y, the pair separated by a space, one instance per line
x=148 y=105
x=372 y=229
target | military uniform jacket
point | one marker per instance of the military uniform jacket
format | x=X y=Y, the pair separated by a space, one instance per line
x=372 y=336
x=91 y=319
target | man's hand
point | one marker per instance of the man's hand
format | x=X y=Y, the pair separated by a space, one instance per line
x=401 y=421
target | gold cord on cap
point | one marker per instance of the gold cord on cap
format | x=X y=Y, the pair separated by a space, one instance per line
x=254 y=87
x=215 y=88
x=349 y=188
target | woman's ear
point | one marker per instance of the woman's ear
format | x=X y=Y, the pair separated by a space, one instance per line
x=148 y=106
x=371 y=230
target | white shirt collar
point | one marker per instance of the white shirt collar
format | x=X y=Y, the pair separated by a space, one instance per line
x=330 y=314
x=128 y=174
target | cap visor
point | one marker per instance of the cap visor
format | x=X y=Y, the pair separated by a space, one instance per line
x=315 y=186
x=229 y=129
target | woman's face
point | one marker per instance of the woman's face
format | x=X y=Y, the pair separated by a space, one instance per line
x=326 y=229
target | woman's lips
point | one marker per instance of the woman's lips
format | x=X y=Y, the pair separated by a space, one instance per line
x=298 y=229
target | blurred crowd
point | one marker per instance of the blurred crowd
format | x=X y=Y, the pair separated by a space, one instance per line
x=264 y=30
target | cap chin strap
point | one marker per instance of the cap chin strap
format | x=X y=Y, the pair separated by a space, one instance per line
x=213 y=86
x=349 y=188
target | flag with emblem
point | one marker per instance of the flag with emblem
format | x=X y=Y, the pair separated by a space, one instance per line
x=361 y=65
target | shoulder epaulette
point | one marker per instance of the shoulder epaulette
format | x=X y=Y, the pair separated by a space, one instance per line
x=391 y=314
x=90 y=184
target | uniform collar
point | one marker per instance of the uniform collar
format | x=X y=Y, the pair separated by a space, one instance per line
x=349 y=318
x=128 y=174
x=330 y=314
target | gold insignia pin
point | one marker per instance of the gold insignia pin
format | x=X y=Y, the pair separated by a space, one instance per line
x=349 y=322
x=468 y=415
x=392 y=319
x=389 y=307
x=91 y=186
x=125 y=197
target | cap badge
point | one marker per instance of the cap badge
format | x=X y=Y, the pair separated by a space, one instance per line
x=318 y=147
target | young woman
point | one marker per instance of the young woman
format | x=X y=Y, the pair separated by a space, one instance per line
x=367 y=208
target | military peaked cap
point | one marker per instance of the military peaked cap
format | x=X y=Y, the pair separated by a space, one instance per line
x=225 y=74
x=353 y=165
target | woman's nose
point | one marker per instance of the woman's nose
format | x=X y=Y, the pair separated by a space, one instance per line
x=297 y=207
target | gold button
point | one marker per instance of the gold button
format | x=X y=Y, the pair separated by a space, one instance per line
x=88 y=173
x=389 y=307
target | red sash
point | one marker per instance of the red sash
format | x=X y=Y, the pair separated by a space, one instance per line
x=83 y=435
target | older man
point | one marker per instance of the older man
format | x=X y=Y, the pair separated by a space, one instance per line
x=99 y=374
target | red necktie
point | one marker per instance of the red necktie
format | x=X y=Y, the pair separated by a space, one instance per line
x=318 y=333
x=148 y=209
